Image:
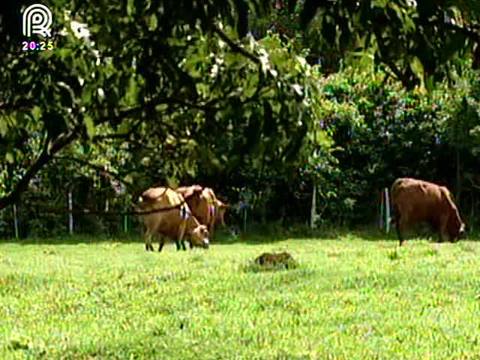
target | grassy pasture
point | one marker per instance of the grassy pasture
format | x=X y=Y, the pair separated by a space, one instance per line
x=349 y=298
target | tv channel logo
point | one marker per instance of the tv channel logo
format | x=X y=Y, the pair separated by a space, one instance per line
x=37 y=19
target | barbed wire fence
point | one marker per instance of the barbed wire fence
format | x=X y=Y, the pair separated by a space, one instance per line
x=108 y=216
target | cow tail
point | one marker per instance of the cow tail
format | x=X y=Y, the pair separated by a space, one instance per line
x=448 y=198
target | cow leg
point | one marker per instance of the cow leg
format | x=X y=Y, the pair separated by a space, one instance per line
x=148 y=241
x=440 y=237
x=400 y=237
x=395 y=220
x=397 y=228
x=443 y=234
x=439 y=232
x=179 y=245
x=161 y=242
x=400 y=226
x=181 y=234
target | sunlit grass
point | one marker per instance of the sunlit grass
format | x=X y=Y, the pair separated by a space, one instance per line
x=348 y=298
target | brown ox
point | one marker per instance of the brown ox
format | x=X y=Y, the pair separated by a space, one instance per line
x=416 y=201
x=204 y=205
x=173 y=223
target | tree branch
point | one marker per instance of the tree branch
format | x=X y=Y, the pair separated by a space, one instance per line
x=99 y=168
x=20 y=105
x=471 y=34
x=51 y=147
x=383 y=49
x=45 y=156
x=233 y=46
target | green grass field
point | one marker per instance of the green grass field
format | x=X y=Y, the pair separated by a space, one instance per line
x=349 y=298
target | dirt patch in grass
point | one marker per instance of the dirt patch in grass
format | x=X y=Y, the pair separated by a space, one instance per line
x=272 y=262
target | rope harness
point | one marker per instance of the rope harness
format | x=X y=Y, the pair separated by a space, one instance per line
x=212 y=210
x=185 y=211
x=211 y=206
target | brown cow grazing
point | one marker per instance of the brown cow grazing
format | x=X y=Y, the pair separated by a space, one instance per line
x=416 y=201
x=204 y=205
x=173 y=223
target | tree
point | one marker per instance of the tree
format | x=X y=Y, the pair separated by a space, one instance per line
x=417 y=40
x=140 y=77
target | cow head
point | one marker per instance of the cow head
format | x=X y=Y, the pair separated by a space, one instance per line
x=199 y=237
x=456 y=227
x=462 y=234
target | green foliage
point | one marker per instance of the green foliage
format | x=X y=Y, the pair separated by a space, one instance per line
x=176 y=93
x=418 y=41
x=462 y=117
x=381 y=131
x=84 y=84
x=156 y=106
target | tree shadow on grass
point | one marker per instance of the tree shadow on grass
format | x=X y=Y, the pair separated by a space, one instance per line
x=370 y=234
x=256 y=236
x=419 y=232
x=267 y=236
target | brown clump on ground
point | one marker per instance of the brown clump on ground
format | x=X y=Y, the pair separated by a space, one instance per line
x=276 y=259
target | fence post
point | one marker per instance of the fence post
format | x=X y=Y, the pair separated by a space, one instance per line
x=70 y=212
x=314 y=207
x=15 y=220
x=382 y=198
x=245 y=219
x=125 y=217
x=387 y=211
